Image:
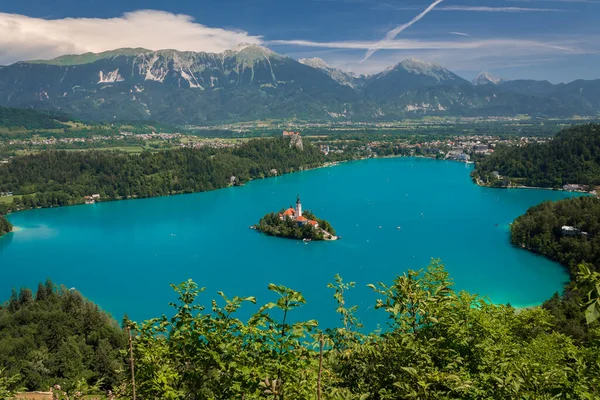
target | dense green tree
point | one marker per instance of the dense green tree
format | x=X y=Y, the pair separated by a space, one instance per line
x=5 y=226
x=30 y=119
x=540 y=230
x=272 y=224
x=438 y=344
x=56 y=178
x=58 y=338
x=571 y=157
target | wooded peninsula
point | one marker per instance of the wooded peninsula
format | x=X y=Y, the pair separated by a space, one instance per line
x=572 y=158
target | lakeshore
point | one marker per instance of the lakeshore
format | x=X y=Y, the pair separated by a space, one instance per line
x=582 y=192
x=205 y=236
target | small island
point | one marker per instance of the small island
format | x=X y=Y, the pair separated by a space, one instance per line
x=293 y=223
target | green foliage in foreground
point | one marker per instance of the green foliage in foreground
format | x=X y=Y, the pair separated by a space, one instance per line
x=8 y=385
x=272 y=225
x=572 y=157
x=55 y=337
x=58 y=178
x=440 y=345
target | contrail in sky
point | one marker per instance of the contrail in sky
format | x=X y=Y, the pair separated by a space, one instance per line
x=391 y=35
x=459 y=33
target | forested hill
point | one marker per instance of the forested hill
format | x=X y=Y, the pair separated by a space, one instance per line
x=57 y=178
x=55 y=336
x=5 y=226
x=30 y=119
x=540 y=231
x=572 y=157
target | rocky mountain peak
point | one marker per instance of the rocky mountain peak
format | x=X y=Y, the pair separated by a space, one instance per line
x=417 y=66
x=485 y=78
x=314 y=62
x=251 y=50
x=432 y=71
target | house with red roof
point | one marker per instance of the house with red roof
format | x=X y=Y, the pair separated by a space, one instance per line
x=296 y=215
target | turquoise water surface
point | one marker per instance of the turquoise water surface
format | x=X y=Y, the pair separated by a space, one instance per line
x=123 y=255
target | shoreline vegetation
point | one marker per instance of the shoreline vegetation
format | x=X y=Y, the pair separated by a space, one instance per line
x=5 y=225
x=479 y=182
x=570 y=162
x=93 y=177
x=568 y=232
x=59 y=178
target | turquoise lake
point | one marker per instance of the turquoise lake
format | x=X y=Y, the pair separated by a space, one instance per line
x=123 y=255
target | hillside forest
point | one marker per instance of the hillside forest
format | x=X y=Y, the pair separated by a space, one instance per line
x=571 y=157
x=60 y=178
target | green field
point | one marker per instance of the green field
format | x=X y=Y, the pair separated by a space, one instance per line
x=124 y=149
x=8 y=199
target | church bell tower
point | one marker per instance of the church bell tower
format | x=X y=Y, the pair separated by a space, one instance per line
x=298 y=207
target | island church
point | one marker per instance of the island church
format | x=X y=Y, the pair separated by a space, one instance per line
x=296 y=215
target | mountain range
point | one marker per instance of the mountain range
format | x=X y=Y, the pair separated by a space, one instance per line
x=253 y=82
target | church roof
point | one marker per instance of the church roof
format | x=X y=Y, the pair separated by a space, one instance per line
x=313 y=223
x=301 y=219
x=289 y=211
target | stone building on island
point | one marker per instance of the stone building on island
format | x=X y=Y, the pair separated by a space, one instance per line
x=295 y=214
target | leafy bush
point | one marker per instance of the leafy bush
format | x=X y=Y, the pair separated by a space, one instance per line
x=58 y=336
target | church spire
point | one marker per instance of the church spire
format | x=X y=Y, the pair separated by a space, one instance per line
x=298 y=207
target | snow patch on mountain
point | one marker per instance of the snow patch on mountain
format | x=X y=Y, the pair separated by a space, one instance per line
x=250 y=49
x=191 y=79
x=314 y=62
x=421 y=67
x=153 y=70
x=485 y=78
x=341 y=77
x=158 y=74
x=424 y=107
x=111 y=77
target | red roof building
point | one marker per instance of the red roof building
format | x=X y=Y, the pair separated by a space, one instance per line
x=290 y=212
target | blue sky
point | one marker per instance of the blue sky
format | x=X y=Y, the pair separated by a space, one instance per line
x=557 y=40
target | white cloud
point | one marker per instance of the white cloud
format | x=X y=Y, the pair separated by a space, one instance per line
x=464 y=54
x=409 y=44
x=459 y=33
x=26 y=38
x=499 y=9
x=559 y=1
